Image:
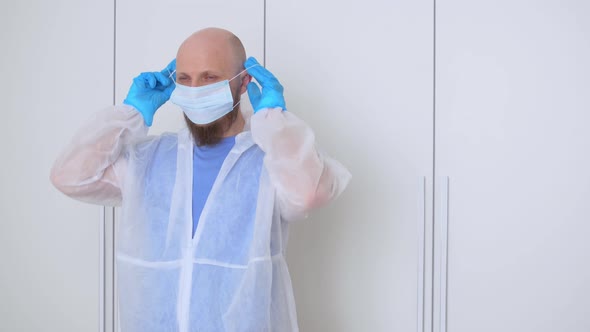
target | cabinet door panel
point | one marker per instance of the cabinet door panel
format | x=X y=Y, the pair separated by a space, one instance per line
x=360 y=73
x=512 y=119
x=149 y=33
x=57 y=64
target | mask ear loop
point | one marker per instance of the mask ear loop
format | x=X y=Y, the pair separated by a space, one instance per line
x=240 y=73
x=172 y=74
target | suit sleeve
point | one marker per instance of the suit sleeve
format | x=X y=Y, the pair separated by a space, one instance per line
x=92 y=167
x=304 y=177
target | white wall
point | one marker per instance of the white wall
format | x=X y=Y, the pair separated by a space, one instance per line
x=57 y=68
x=511 y=133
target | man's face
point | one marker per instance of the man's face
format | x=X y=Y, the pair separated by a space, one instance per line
x=205 y=62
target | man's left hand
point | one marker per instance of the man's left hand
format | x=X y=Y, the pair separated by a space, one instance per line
x=272 y=91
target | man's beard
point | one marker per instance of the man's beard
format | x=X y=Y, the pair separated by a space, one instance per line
x=212 y=133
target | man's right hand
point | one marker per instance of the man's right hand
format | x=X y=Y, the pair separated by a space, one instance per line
x=151 y=90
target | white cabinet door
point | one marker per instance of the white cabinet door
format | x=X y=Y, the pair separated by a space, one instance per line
x=148 y=34
x=57 y=68
x=361 y=74
x=512 y=135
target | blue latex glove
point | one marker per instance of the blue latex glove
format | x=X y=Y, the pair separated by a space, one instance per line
x=272 y=91
x=151 y=90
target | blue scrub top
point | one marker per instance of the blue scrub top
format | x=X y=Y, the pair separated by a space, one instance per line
x=207 y=161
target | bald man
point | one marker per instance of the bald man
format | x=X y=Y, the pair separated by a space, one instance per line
x=205 y=212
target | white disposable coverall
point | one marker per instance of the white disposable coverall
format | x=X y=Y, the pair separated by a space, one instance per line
x=232 y=276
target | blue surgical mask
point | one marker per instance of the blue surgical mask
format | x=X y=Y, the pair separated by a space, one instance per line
x=205 y=104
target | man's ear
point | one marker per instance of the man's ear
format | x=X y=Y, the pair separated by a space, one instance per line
x=247 y=79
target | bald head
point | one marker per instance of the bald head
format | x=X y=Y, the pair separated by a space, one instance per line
x=208 y=56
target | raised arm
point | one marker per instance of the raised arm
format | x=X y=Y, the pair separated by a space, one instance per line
x=303 y=176
x=92 y=167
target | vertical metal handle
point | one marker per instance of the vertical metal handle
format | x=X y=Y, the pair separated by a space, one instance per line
x=101 y=272
x=443 y=218
x=421 y=251
x=106 y=270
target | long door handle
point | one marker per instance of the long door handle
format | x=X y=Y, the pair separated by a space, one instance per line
x=443 y=219
x=421 y=251
x=101 y=271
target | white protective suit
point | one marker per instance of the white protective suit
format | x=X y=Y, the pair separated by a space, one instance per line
x=232 y=276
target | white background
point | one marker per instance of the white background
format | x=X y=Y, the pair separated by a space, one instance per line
x=492 y=95
x=57 y=66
